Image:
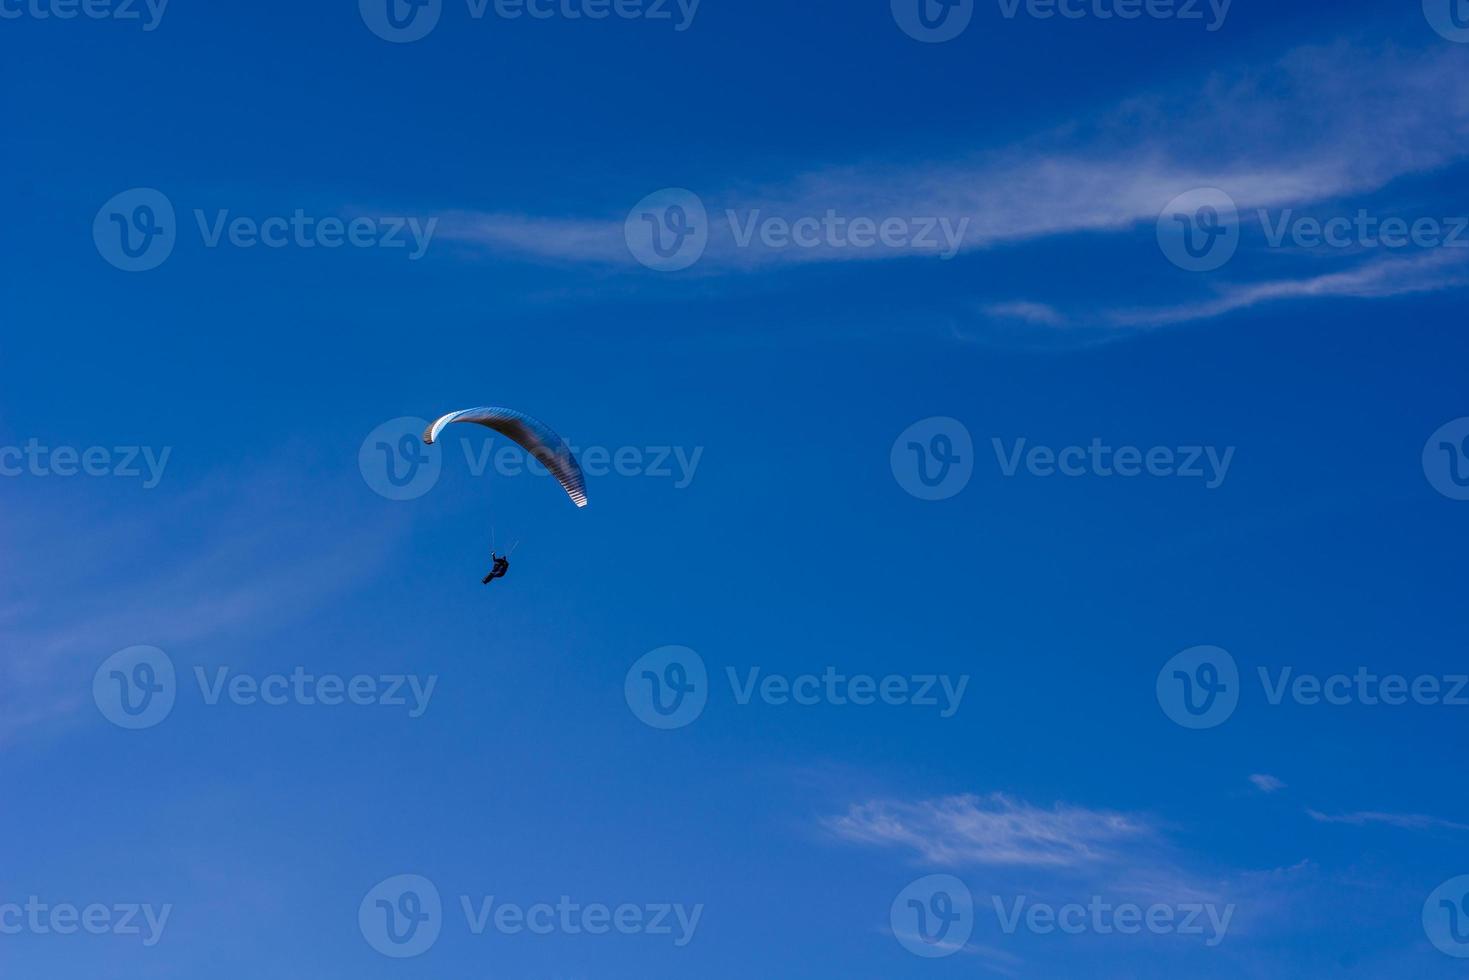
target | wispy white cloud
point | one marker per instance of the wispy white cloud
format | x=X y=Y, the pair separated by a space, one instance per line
x=1041 y=314
x=1426 y=272
x=1266 y=783
x=1430 y=271
x=993 y=829
x=261 y=559
x=1062 y=848
x=1067 y=853
x=1271 y=136
x=1402 y=821
x=563 y=239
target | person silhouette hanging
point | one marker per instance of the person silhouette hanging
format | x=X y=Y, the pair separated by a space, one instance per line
x=502 y=565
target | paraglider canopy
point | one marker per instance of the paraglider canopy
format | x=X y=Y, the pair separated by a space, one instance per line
x=532 y=435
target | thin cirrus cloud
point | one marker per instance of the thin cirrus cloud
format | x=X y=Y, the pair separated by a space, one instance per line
x=1320 y=123
x=120 y=585
x=561 y=239
x=1402 y=821
x=1065 y=850
x=1042 y=314
x=993 y=829
x=1426 y=272
x=1266 y=783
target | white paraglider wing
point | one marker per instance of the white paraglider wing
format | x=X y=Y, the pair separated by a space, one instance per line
x=533 y=435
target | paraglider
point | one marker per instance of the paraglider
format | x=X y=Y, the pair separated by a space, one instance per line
x=536 y=438
x=533 y=435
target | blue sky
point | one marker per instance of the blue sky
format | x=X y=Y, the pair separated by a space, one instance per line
x=1293 y=414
